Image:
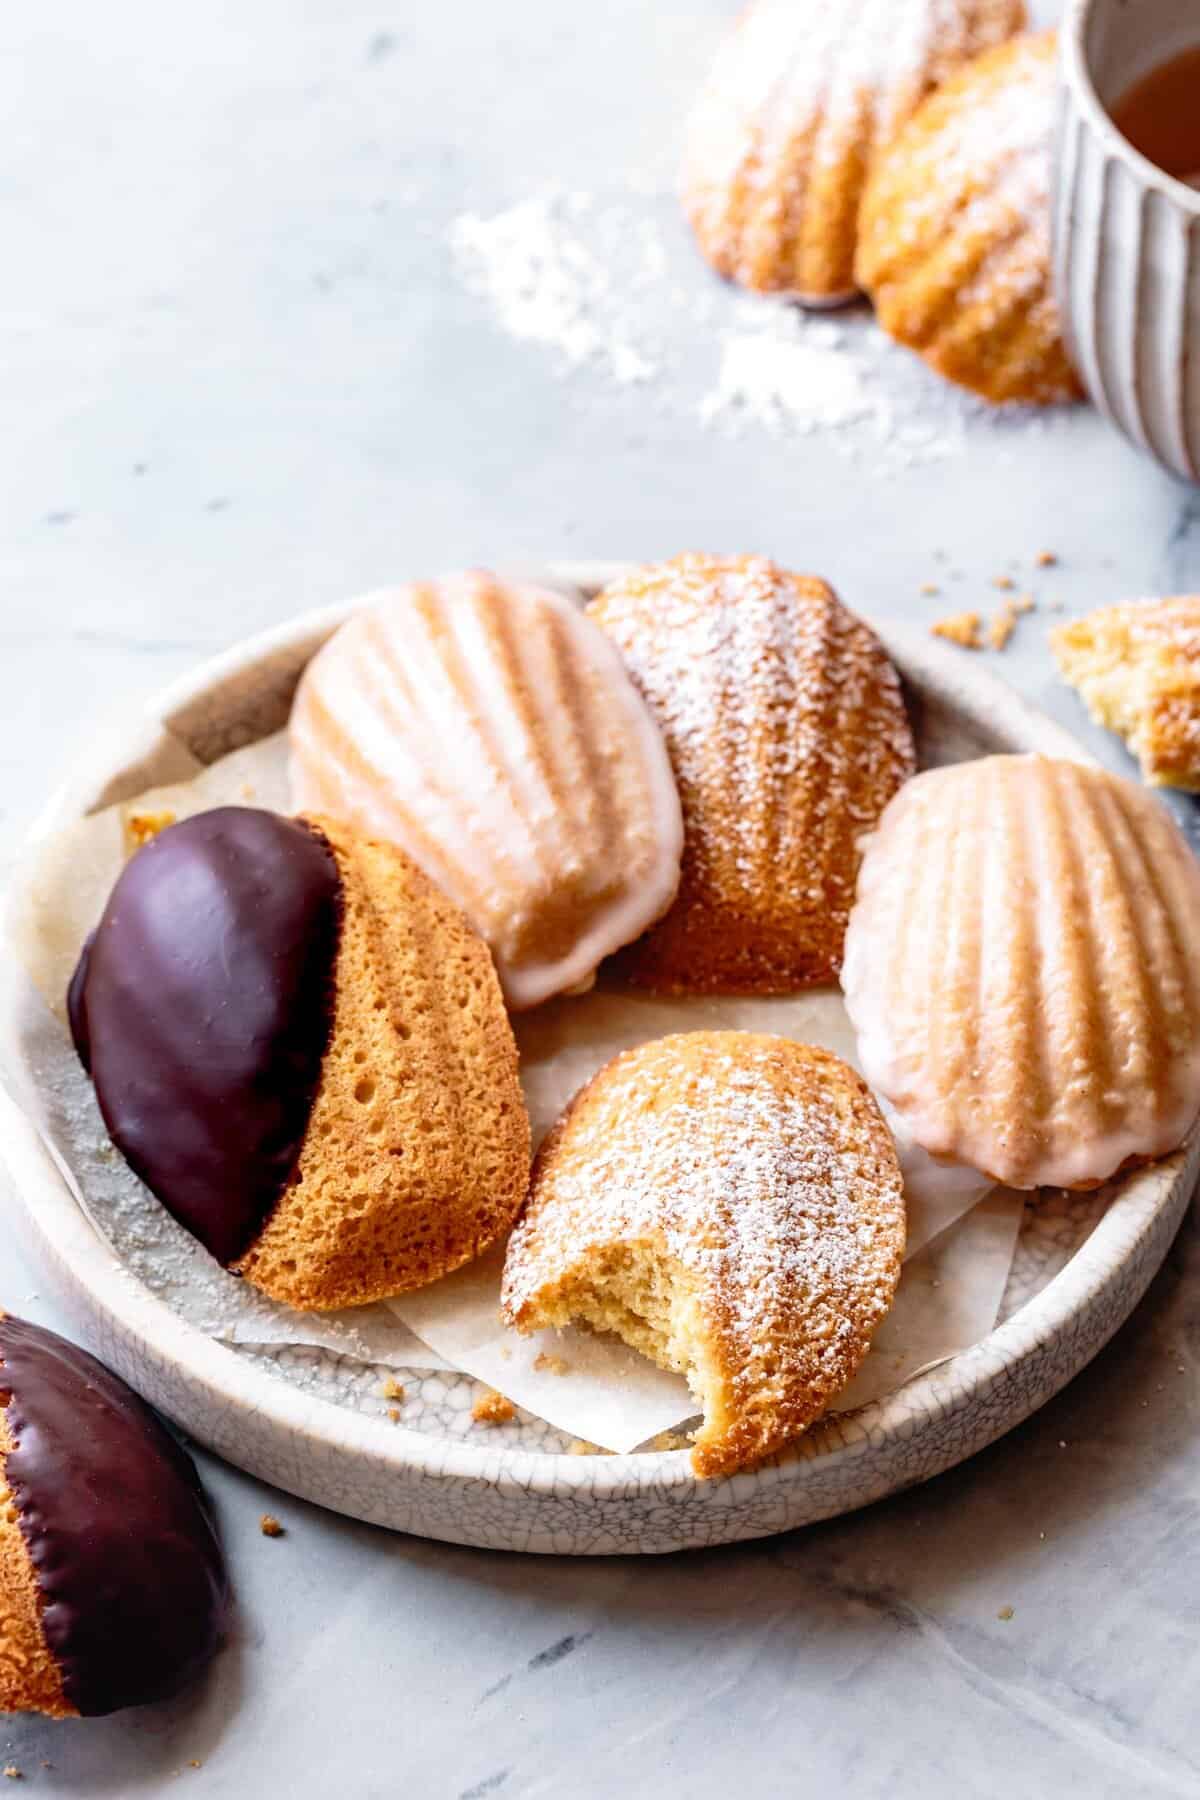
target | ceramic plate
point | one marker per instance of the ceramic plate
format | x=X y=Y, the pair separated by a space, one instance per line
x=311 y=1422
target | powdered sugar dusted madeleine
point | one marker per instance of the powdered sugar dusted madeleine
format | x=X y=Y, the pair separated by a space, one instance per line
x=731 y=1205
x=954 y=235
x=1137 y=665
x=802 y=96
x=788 y=736
x=1023 y=970
x=489 y=730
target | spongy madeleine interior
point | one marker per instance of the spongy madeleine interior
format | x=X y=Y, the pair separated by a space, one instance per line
x=417 y=1149
x=646 y=1297
x=1113 y=674
x=30 y=1680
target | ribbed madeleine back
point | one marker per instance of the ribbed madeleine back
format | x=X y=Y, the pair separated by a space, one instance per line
x=802 y=96
x=954 y=233
x=1023 y=969
x=490 y=731
x=787 y=734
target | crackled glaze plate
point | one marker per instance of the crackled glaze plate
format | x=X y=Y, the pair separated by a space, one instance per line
x=310 y=1421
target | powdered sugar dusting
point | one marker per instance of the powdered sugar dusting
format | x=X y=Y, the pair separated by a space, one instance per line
x=791 y=375
x=560 y=273
x=759 y=1165
x=774 y=377
x=954 y=236
x=605 y=291
x=993 y=151
x=787 y=61
x=802 y=95
x=787 y=736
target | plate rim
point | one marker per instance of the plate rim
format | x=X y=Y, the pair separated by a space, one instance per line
x=132 y=1311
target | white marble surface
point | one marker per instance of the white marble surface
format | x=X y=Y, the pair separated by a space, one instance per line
x=241 y=377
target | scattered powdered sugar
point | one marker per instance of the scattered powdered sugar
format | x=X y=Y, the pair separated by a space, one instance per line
x=559 y=271
x=612 y=292
x=792 y=375
x=775 y=377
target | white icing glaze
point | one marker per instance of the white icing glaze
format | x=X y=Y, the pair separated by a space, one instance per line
x=1023 y=970
x=491 y=731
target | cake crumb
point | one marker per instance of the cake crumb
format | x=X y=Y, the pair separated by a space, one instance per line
x=1001 y=628
x=1004 y=582
x=394 y=1414
x=391 y=1389
x=1006 y=1613
x=959 y=628
x=269 y=1526
x=1046 y=559
x=195 y=1763
x=140 y=827
x=550 y=1365
x=1004 y=620
x=492 y=1408
x=12 y=1773
x=930 y=587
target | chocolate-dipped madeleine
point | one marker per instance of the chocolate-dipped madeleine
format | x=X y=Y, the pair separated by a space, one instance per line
x=301 y=1047
x=113 y=1590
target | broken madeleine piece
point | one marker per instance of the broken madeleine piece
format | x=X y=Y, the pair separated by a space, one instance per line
x=1137 y=667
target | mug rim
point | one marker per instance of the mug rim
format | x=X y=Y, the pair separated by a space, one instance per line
x=1077 y=72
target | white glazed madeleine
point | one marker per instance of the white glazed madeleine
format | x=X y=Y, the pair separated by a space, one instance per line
x=1023 y=970
x=490 y=730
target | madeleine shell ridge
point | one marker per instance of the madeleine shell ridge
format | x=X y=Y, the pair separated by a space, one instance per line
x=787 y=733
x=801 y=98
x=1023 y=970
x=954 y=234
x=488 y=729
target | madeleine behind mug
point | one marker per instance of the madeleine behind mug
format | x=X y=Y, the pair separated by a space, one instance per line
x=1127 y=217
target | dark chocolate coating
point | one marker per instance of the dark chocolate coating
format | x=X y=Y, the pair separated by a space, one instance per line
x=125 y=1554
x=202 y=1007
